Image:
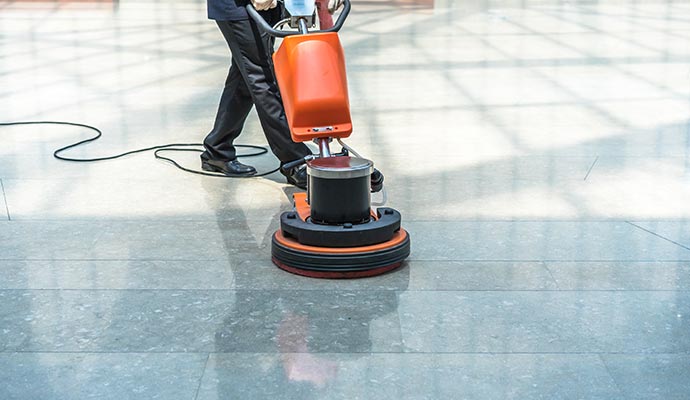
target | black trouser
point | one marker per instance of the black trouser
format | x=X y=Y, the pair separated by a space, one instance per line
x=250 y=81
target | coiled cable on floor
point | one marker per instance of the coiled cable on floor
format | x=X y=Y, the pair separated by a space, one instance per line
x=156 y=149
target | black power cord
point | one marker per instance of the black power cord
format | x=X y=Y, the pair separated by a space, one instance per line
x=157 y=149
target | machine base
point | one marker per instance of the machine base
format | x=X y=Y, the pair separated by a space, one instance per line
x=340 y=262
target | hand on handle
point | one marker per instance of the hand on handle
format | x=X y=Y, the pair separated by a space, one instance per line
x=262 y=5
x=334 y=5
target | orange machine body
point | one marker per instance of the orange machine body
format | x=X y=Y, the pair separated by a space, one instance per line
x=310 y=70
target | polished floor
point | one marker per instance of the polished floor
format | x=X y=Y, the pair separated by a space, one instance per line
x=539 y=152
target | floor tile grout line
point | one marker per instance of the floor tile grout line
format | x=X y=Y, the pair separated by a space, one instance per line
x=173 y=221
x=201 y=377
x=399 y=319
x=4 y=196
x=415 y=260
x=659 y=236
x=587 y=353
x=608 y=371
x=341 y=290
x=591 y=167
x=546 y=266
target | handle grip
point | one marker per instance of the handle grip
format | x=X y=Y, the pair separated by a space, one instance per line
x=292 y=164
x=347 y=6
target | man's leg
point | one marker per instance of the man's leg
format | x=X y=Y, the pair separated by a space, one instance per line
x=235 y=104
x=249 y=49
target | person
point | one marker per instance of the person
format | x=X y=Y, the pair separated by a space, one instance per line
x=250 y=81
x=325 y=17
x=325 y=10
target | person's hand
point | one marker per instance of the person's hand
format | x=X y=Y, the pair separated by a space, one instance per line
x=262 y=5
x=333 y=5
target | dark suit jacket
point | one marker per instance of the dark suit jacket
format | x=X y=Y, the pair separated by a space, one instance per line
x=227 y=10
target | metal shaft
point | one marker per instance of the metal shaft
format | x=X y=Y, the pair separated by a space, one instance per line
x=324 y=148
x=303 y=26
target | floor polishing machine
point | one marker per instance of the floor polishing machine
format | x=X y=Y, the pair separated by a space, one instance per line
x=333 y=231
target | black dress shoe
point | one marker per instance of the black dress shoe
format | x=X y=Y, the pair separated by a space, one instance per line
x=296 y=176
x=229 y=168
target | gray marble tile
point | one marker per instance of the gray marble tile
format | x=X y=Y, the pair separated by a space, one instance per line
x=19 y=241
x=469 y=275
x=110 y=321
x=406 y=376
x=642 y=188
x=311 y=321
x=657 y=376
x=188 y=240
x=537 y=169
x=133 y=239
x=193 y=321
x=650 y=71
x=611 y=168
x=570 y=322
x=621 y=275
x=178 y=198
x=516 y=188
x=261 y=274
x=462 y=240
x=667 y=138
x=674 y=231
x=537 y=240
x=4 y=210
x=100 y=376
x=445 y=197
x=116 y=274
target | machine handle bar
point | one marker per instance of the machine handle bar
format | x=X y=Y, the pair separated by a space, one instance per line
x=281 y=34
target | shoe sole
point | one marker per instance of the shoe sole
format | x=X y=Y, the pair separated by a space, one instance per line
x=293 y=182
x=211 y=168
x=296 y=185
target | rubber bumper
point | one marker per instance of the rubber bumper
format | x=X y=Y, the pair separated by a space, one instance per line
x=340 y=262
x=378 y=230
